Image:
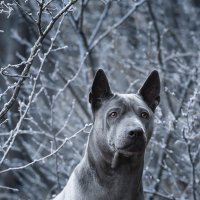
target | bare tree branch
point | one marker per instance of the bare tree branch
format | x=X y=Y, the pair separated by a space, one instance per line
x=33 y=54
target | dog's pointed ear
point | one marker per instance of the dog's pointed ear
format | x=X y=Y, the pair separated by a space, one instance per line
x=150 y=91
x=100 y=90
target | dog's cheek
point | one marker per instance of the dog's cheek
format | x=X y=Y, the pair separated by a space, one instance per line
x=111 y=137
x=110 y=129
x=119 y=136
x=149 y=127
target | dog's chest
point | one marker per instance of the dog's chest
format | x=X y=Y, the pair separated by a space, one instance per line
x=115 y=187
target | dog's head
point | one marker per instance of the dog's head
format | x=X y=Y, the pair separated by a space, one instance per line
x=124 y=122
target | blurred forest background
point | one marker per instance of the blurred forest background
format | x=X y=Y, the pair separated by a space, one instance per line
x=49 y=52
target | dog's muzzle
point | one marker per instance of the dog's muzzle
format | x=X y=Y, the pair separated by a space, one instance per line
x=132 y=142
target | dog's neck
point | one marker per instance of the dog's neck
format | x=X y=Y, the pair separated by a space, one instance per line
x=126 y=172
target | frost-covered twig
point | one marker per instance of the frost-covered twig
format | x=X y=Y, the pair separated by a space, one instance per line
x=9 y=188
x=49 y=155
x=190 y=153
x=14 y=133
x=118 y=23
x=168 y=138
x=35 y=50
x=99 y=24
x=189 y=143
x=158 y=194
x=158 y=35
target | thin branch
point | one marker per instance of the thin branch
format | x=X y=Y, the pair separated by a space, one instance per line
x=24 y=11
x=12 y=137
x=169 y=136
x=106 y=33
x=99 y=24
x=83 y=42
x=168 y=197
x=64 y=10
x=159 y=50
x=9 y=188
x=41 y=8
x=190 y=153
x=76 y=96
x=81 y=16
x=49 y=155
x=34 y=52
x=10 y=103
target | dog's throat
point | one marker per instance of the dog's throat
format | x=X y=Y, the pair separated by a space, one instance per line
x=115 y=160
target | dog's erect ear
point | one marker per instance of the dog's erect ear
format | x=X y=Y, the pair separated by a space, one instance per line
x=100 y=90
x=150 y=91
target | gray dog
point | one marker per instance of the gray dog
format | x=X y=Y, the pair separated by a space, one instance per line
x=112 y=166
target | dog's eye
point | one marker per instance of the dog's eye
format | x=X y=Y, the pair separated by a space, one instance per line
x=113 y=114
x=145 y=115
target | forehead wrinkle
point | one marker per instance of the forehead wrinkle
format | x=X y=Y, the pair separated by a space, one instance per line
x=130 y=101
x=125 y=101
x=121 y=101
x=115 y=102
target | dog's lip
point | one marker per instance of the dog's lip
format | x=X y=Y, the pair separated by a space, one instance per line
x=124 y=151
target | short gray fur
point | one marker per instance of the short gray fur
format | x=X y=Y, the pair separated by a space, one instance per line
x=112 y=166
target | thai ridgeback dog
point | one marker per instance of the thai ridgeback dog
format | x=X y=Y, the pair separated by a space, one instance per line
x=112 y=166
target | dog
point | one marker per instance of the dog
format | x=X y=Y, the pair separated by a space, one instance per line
x=112 y=166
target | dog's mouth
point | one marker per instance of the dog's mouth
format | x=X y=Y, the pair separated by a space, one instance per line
x=130 y=148
x=127 y=151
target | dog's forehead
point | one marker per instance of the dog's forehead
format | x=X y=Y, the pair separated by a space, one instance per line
x=127 y=100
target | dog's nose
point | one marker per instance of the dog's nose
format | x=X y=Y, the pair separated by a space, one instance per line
x=136 y=132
